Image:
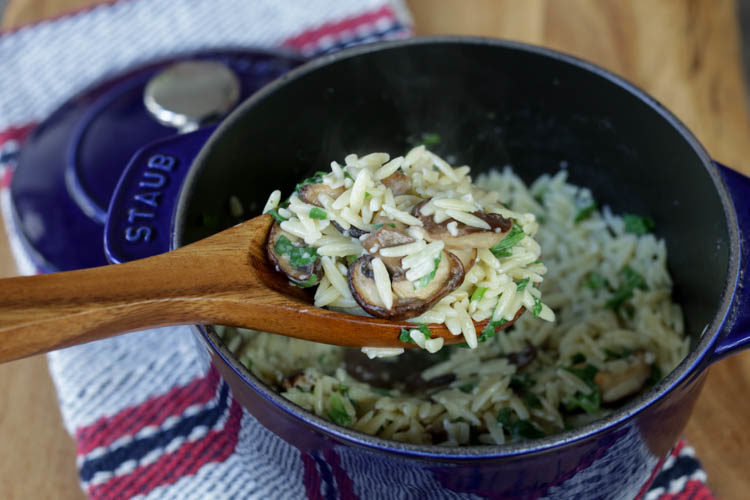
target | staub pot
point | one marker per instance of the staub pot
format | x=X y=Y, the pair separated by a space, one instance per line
x=493 y=103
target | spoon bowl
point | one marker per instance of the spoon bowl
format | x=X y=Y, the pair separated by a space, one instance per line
x=224 y=279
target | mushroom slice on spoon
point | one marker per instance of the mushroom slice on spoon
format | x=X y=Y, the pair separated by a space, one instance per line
x=463 y=236
x=301 y=264
x=385 y=237
x=408 y=301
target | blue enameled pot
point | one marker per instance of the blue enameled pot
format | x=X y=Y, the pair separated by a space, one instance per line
x=493 y=103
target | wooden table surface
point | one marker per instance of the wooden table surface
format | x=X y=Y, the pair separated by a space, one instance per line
x=685 y=53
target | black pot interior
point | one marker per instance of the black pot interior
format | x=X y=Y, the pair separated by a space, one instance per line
x=491 y=105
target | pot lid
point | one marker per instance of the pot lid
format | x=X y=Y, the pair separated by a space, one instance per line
x=69 y=165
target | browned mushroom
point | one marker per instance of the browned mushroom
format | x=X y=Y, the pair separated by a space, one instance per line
x=383 y=238
x=466 y=236
x=310 y=193
x=617 y=385
x=408 y=301
x=300 y=263
x=398 y=183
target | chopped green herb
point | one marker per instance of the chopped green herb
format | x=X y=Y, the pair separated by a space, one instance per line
x=503 y=416
x=425 y=330
x=284 y=204
x=489 y=331
x=578 y=358
x=405 y=337
x=467 y=388
x=318 y=213
x=275 y=214
x=343 y=389
x=638 y=225
x=347 y=175
x=378 y=226
x=532 y=400
x=382 y=392
x=517 y=427
x=316 y=178
x=431 y=139
x=521 y=382
x=298 y=256
x=595 y=281
x=590 y=402
x=350 y=259
x=503 y=247
x=477 y=294
x=463 y=345
x=537 y=309
x=424 y=280
x=585 y=212
x=311 y=281
x=521 y=285
x=367 y=195
x=337 y=412
x=525 y=429
x=618 y=355
x=630 y=281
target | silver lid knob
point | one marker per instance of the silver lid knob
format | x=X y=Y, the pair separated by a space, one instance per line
x=186 y=95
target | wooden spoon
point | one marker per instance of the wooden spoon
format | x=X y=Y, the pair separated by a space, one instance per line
x=225 y=279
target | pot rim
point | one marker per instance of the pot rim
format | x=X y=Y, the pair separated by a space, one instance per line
x=688 y=369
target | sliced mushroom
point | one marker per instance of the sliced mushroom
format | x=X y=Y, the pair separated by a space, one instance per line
x=467 y=256
x=617 y=385
x=383 y=238
x=296 y=274
x=398 y=183
x=310 y=193
x=408 y=302
x=466 y=236
x=522 y=358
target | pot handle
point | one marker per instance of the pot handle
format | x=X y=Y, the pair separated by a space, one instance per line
x=737 y=323
x=140 y=219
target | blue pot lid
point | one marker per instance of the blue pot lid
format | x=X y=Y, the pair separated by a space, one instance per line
x=69 y=166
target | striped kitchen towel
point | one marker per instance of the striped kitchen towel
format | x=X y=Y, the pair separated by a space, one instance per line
x=150 y=418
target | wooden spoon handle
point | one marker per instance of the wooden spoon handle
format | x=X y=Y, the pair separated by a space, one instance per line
x=50 y=311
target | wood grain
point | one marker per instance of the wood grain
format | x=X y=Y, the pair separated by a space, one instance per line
x=224 y=279
x=684 y=52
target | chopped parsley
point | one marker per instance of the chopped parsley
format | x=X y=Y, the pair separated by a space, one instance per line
x=477 y=294
x=521 y=285
x=618 y=355
x=578 y=358
x=595 y=281
x=381 y=392
x=517 y=427
x=489 y=331
x=311 y=281
x=424 y=280
x=378 y=226
x=277 y=217
x=367 y=195
x=537 y=309
x=521 y=383
x=590 y=402
x=350 y=259
x=298 y=256
x=405 y=335
x=638 y=225
x=630 y=281
x=318 y=213
x=503 y=247
x=585 y=212
x=337 y=411
x=316 y=178
x=347 y=175
x=467 y=388
x=532 y=400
